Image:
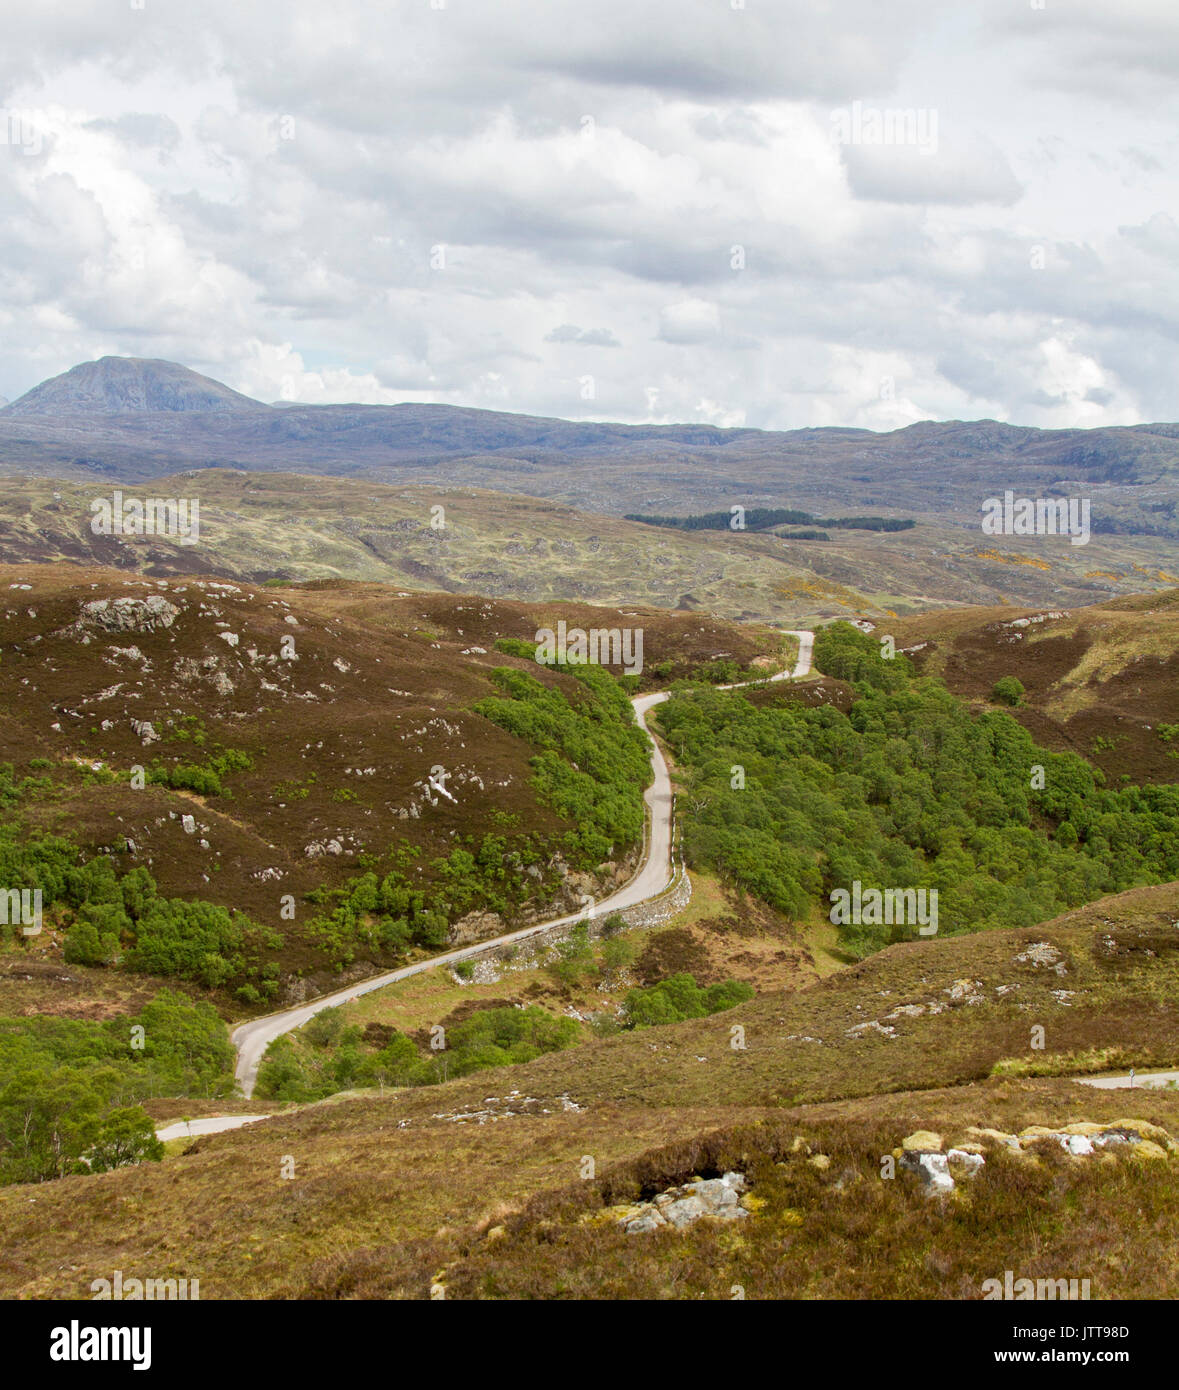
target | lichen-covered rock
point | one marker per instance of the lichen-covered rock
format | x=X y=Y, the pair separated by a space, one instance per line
x=719 y=1198
x=1143 y=1128
x=997 y=1136
x=923 y=1140
x=128 y=614
x=1147 y=1148
x=684 y=1211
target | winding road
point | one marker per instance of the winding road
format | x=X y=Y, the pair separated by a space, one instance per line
x=652 y=878
x=1139 y=1080
x=211 y=1124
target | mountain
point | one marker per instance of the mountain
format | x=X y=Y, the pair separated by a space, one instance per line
x=124 y=420
x=128 y=386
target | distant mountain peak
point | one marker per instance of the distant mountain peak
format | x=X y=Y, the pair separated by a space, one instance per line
x=130 y=386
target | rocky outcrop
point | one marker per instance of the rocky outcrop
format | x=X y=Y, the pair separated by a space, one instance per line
x=924 y=1153
x=722 y=1199
x=126 y=615
x=476 y=926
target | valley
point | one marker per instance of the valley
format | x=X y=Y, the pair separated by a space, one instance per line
x=341 y=876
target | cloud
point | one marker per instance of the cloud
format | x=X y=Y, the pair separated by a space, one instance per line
x=152 y=130
x=972 y=172
x=386 y=202
x=689 y=321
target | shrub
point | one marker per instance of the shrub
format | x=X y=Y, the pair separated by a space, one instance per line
x=1008 y=690
x=679 y=997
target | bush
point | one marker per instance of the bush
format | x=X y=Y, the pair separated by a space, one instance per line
x=194 y=941
x=324 y=1028
x=679 y=997
x=617 y=953
x=574 y=958
x=1007 y=690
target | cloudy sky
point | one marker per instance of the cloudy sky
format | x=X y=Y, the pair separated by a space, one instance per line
x=644 y=210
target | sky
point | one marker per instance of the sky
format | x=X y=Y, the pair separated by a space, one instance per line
x=739 y=212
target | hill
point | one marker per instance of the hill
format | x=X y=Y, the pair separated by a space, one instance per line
x=260 y=526
x=930 y=470
x=1100 y=681
x=289 y=742
x=502 y=1203
x=128 y=385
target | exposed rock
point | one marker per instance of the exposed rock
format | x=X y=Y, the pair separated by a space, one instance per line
x=964 y=991
x=1143 y=1129
x=922 y=1140
x=476 y=926
x=1043 y=953
x=933 y=1169
x=1079 y=1145
x=317 y=848
x=128 y=614
x=871 y=1026
x=678 y=1207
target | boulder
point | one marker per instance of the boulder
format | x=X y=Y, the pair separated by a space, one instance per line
x=1147 y=1148
x=922 y=1140
x=678 y=1207
x=684 y=1211
x=932 y=1168
x=1079 y=1145
x=128 y=614
x=996 y=1136
x=1143 y=1128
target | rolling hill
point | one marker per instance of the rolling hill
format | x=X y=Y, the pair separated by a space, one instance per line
x=288 y=742
x=501 y=1202
x=129 y=420
x=260 y=526
x=1102 y=681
